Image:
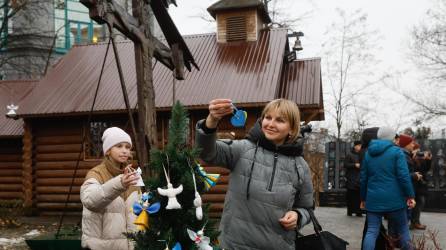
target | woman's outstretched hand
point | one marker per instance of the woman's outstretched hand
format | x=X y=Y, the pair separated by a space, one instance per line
x=217 y=109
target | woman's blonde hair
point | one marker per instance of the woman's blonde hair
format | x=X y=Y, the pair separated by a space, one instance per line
x=289 y=110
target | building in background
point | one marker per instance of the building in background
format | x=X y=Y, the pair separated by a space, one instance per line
x=34 y=34
x=243 y=60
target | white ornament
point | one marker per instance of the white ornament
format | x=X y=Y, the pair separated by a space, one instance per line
x=198 y=208
x=140 y=182
x=202 y=242
x=171 y=193
x=197 y=200
x=12 y=111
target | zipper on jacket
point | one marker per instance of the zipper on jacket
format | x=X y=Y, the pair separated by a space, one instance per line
x=270 y=187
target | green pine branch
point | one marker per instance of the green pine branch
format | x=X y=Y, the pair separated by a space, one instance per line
x=179 y=160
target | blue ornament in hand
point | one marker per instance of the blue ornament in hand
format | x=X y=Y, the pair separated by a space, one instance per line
x=238 y=119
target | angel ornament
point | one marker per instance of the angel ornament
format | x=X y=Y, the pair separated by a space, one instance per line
x=171 y=193
x=138 y=171
x=202 y=242
x=140 y=181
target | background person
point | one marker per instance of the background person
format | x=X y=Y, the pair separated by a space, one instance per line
x=408 y=144
x=386 y=189
x=423 y=161
x=353 y=164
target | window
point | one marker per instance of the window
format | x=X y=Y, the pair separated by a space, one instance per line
x=93 y=141
x=94 y=132
x=74 y=26
x=6 y=21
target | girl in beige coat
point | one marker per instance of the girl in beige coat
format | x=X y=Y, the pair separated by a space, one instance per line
x=107 y=196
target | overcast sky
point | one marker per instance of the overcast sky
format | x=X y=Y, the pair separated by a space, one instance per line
x=393 y=21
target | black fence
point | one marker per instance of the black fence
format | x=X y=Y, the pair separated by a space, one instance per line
x=334 y=169
x=335 y=180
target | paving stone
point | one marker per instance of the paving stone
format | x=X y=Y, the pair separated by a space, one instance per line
x=350 y=228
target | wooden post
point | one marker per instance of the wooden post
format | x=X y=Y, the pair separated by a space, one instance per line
x=27 y=168
x=177 y=59
x=146 y=92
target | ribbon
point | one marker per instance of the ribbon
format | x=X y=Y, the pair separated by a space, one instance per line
x=142 y=209
x=209 y=179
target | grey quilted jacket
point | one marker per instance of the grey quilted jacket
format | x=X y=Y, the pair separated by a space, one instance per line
x=265 y=182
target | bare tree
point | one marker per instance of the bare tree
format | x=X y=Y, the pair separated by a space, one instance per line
x=314 y=151
x=281 y=15
x=428 y=53
x=349 y=63
x=429 y=43
x=26 y=28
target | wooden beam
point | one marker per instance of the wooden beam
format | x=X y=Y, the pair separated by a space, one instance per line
x=147 y=132
x=27 y=167
x=178 y=62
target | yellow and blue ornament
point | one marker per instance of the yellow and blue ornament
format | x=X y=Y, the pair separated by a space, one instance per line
x=142 y=209
x=209 y=179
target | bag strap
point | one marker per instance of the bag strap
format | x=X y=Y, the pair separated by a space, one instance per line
x=317 y=227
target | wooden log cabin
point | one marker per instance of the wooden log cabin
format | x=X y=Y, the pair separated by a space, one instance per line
x=251 y=69
x=11 y=140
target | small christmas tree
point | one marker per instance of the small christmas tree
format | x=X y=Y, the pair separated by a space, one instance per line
x=176 y=164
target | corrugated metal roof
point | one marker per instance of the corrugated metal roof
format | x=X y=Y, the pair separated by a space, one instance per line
x=13 y=92
x=301 y=82
x=246 y=72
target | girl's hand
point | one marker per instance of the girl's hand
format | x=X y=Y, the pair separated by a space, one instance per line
x=289 y=220
x=218 y=108
x=129 y=178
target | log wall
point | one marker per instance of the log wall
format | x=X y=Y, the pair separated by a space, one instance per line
x=11 y=168
x=57 y=148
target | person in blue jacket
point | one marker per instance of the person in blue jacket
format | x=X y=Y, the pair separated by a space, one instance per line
x=386 y=188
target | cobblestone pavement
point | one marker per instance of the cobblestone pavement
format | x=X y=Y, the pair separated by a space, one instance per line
x=350 y=229
x=334 y=220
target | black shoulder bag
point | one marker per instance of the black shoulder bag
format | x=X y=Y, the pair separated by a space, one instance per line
x=320 y=240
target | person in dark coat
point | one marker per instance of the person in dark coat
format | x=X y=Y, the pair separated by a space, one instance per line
x=352 y=163
x=423 y=162
x=408 y=144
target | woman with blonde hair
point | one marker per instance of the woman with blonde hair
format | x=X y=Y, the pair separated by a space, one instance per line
x=270 y=186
